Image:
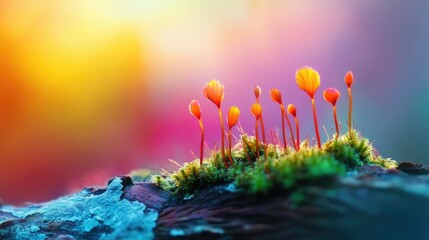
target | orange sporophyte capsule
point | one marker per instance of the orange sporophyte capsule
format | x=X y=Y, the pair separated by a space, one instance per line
x=257 y=91
x=308 y=80
x=291 y=109
x=214 y=91
x=276 y=96
x=331 y=96
x=233 y=114
x=256 y=110
x=194 y=108
x=257 y=113
x=348 y=79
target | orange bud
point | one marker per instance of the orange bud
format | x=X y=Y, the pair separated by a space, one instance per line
x=257 y=90
x=291 y=109
x=331 y=95
x=233 y=114
x=256 y=110
x=194 y=108
x=349 y=78
x=214 y=91
x=308 y=80
x=276 y=96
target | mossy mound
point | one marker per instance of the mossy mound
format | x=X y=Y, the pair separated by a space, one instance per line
x=275 y=168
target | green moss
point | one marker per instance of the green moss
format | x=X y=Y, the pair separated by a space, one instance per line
x=344 y=152
x=280 y=169
x=356 y=151
x=140 y=175
x=162 y=182
x=361 y=145
x=254 y=179
x=285 y=172
x=384 y=162
x=193 y=177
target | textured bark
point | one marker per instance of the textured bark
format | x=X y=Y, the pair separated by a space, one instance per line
x=373 y=203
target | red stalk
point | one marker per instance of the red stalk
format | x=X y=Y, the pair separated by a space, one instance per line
x=223 y=139
x=289 y=125
x=349 y=90
x=230 y=146
x=264 y=140
x=256 y=139
x=316 y=127
x=283 y=127
x=336 y=122
x=202 y=141
x=297 y=133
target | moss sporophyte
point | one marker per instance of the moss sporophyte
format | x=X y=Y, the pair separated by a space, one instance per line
x=348 y=79
x=308 y=80
x=258 y=166
x=331 y=96
x=291 y=109
x=232 y=119
x=276 y=96
x=257 y=91
x=194 y=108
x=214 y=91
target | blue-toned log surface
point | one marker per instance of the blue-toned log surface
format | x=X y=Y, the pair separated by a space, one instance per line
x=371 y=203
x=112 y=213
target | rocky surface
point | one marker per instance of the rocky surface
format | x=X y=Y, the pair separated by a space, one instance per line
x=372 y=203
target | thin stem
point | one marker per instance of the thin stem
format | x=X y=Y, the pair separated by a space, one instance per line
x=326 y=132
x=230 y=146
x=336 y=122
x=264 y=140
x=202 y=142
x=256 y=139
x=297 y=133
x=245 y=146
x=290 y=126
x=223 y=138
x=349 y=90
x=316 y=127
x=263 y=130
x=283 y=127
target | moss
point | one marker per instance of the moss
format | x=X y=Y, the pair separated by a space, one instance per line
x=281 y=169
x=356 y=151
x=344 y=152
x=361 y=145
x=162 y=182
x=193 y=177
x=140 y=175
x=286 y=172
x=384 y=162
x=254 y=179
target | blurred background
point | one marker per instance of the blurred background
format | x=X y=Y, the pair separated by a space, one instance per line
x=94 y=88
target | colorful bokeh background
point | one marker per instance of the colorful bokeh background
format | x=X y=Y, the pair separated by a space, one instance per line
x=94 y=88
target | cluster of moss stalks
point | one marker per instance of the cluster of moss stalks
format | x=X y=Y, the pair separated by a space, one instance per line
x=284 y=169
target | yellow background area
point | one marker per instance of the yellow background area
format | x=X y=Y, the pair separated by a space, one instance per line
x=70 y=75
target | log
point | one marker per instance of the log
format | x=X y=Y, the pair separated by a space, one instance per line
x=369 y=203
